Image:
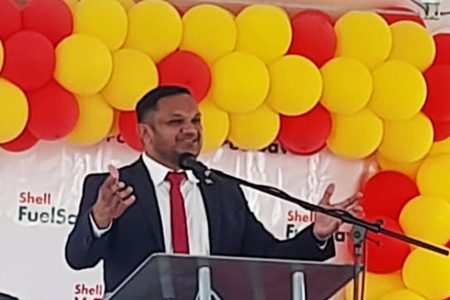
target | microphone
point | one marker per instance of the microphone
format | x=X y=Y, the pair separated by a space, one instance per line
x=188 y=161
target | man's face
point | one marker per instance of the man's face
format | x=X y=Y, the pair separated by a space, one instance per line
x=173 y=128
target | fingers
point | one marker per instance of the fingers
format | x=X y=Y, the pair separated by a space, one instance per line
x=355 y=207
x=347 y=203
x=351 y=205
x=113 y=177
x=327 y=195
x=357 y=211
x=125 y=193
x=112 y=194
x=113 y=172
x=117 y=187
x=121 y=200
x=128 y=201
x=109 y=188
x=114 y=198
x=123 y=205
x=122 y=193
x=109 y=182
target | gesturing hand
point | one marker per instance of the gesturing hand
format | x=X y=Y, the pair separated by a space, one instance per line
x=325 y=226
x=113 y=199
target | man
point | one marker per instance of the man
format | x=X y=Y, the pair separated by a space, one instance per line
x=151 y=206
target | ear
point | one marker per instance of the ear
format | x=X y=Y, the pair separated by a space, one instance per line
x=145 y=133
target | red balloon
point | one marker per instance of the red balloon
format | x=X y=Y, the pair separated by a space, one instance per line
x=398 y=14
x=128 y=128
x=10 y=18
x=186 y=69
x=23 y=142
x=384 y=254
x=437 y=105
x=54 y=112
x=448 y=244
x=29 y=60
x=441 y=130
x=313 y=36
x=52 y=18
x=306 y=134
x=442 y=41
x=387 y=192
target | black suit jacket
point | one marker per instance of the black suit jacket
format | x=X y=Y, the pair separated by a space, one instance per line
x=233 y=229
x=7 y=297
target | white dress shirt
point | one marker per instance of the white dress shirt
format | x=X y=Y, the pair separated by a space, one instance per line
x=197 y=223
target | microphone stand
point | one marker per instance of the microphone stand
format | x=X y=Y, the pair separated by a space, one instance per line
x=360 y=227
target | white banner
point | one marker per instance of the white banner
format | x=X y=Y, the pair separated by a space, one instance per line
x=41 y=190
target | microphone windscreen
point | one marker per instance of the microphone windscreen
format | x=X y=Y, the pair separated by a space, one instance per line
x=186 y=161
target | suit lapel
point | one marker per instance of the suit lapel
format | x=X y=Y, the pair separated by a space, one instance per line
x=212 y=197
x=146 y=198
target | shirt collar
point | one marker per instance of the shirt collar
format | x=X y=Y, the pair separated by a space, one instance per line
x=158 y=172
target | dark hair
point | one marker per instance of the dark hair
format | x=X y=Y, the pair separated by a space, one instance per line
x=151 y=99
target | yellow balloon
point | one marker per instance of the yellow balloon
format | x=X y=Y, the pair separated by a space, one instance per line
x=377 y=285
x=114 y=130
x=240 y=82
x=347 y=85
x=134 y=74
x=403 y=294
x=408 y=35
x=71 y=4
x=94 y=123
x=441 y=147
x=285 y=95
x=127 y=4
x=427 y=274
x=434 y=215
x=263 y=30
x=155 y=28
x=103 y=19
x=364 y=36
x=355 y=136
x=13 y=111
x=409 y=169
x=433 y=178
x=209 y=31
x=407 y=141
x=399 y=91
x=83 y=64
x=2 y=56
x=216 y=125
x=254 y=130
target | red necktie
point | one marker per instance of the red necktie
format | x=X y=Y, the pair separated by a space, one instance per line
x=180 y=241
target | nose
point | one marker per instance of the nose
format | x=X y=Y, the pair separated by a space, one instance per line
x=189 y=129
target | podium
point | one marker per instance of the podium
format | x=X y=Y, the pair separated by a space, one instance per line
x=185 y=277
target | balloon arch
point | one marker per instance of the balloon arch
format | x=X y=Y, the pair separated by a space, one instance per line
x=364 y=85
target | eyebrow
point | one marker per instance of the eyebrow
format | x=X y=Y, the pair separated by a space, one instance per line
x=177 y=114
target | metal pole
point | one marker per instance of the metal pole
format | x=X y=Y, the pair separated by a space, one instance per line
x=298 y=286
x=204 y=283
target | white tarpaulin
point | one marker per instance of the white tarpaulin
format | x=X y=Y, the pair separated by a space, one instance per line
x=41 y=191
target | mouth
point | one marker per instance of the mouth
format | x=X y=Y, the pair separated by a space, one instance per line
x=189 y=142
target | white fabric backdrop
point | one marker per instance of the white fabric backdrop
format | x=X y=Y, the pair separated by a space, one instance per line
x=32 y=262
x=33 y=234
